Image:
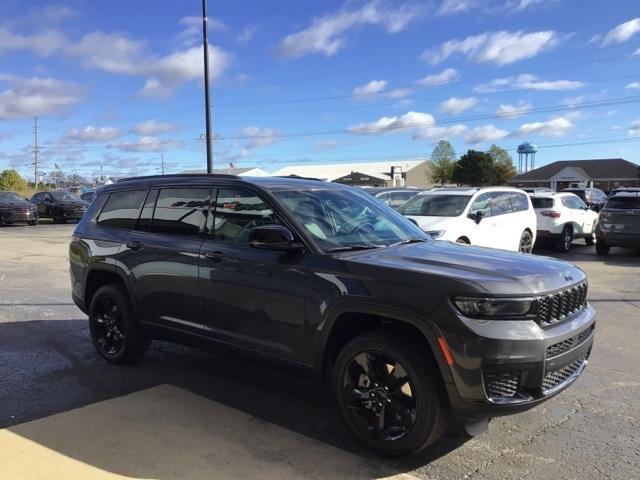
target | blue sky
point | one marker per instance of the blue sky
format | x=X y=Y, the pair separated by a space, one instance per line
x=117 y=83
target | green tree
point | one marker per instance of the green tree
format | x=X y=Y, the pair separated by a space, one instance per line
x=474 y=168
x=11 y=180
x=443 y=161
x=503 y=165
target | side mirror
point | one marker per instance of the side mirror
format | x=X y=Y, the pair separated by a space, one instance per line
x=477 y=217
x=273 y=237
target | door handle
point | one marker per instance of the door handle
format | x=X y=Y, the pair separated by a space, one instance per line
x=135 y=246
x=215 y=257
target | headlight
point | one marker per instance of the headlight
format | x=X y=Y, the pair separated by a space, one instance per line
x=436 y=233
x=485 y=307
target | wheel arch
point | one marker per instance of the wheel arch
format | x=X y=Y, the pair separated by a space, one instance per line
x=97 y=277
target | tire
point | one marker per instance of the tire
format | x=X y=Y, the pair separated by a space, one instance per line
x=563 y=245
x=33 y=223
x=602 y=248
x=526 y=242
x=115 y=333
x=463 y=241
x=414 y=413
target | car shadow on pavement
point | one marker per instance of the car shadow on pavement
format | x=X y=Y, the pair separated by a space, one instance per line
x=282 y=424
x=618 y=257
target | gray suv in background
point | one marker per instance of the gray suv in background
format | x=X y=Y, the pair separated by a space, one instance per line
x=332 y=284
x=619 y=222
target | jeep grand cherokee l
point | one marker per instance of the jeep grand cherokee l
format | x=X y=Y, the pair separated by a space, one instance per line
x=15 y=209
x=60 y=206
x=328 y=281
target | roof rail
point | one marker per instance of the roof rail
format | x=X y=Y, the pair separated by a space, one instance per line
x=178 y=175
x=298 y=177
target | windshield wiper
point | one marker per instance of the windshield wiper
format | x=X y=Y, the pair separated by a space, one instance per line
x=353 y=247
x=408 y=241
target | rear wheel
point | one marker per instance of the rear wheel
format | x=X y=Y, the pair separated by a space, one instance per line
x=526 y=242
x=602 y=248
x=564 y=242
x=33 y=223
x=114 y=330
x=463 y=241
x=390 y=393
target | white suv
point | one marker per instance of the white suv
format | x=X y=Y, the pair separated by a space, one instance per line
x=563 y=217
x=497 y=217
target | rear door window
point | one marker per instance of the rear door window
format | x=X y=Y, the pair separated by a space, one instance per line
x=144 y=223
x=180 y=211
x=481 y=204
x=122 y=209
x=500 y=203
x=519 y=202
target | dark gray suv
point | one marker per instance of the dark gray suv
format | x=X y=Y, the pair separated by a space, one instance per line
x=329 y=282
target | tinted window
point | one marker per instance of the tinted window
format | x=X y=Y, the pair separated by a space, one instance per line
x=180 y=211
x=144 y=223
x=237 y=212
x=481 y=204
x=542 y=202
x=122 y=209
x=573 y=202
x=622 y=203
x=398 y=198
x=519 y=202
x=435 y=205
x=500 y=203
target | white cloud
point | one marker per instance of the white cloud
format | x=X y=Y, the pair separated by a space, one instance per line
x=623 y=32
x=374 y=86
x=451 y=7
x=435 y=133
x=324 y=145
x=455 y=105
x=327 y=35
x=519 y=5
x=192 y=33
x=91 y=134
x=486 y=133
x=500 y=48
x=636 y=53
x=442 y=78
x=555 y=127
x=148 y=144
x=151 y=127
x=42 y=44
x=526 y=81
x=258 y=136
x=28 y=97
x=513 y=111
x=246 y=34
x=634 y=129
x=633 y=86
x=393 y=124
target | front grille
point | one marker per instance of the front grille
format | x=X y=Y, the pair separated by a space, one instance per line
x=501 y=385
x=569 y=343
x=556 y=307
x=554 y=379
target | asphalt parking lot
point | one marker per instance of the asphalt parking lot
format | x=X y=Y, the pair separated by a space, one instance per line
x=181 y=413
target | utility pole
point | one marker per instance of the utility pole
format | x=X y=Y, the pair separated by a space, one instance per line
x=207 y=107
x=162 y=162
x=35 y=152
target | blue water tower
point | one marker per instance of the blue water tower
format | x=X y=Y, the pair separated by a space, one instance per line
x=526 y=157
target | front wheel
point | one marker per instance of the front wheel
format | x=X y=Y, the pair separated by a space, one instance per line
x=590 y=239
x=33 y=223
x=114 y=330
x=390 y=393
x=526 y=242
x=564 y=242
x=602 y=248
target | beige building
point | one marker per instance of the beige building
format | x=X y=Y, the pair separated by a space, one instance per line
x=410 y=173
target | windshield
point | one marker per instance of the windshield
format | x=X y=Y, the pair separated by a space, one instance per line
x=435 y=205
x=542 y=202
x=623 y=203
x=337 y=218
x=10 y=196
x=64 y=196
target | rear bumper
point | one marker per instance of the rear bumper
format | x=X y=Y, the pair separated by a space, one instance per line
x=618 y=239
x=509 y=367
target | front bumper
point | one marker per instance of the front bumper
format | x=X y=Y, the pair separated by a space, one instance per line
x=503 y=367
x=19 y=216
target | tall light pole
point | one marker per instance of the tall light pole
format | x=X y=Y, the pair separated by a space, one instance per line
x=207 y=107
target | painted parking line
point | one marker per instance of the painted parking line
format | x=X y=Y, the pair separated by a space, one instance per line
x=168 y=433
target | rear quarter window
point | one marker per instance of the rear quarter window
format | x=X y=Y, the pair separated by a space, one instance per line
x=519 y=202
x=122 y=209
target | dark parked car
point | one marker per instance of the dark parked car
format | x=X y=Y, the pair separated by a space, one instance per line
x=15 y=209
x=60 y=206
x=327 y=281
x=593 y=197
x=395 y=197
x=88 y=196
x=619 y=223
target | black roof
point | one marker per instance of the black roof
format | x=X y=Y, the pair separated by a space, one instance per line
x=269 y=183
x=597 y=168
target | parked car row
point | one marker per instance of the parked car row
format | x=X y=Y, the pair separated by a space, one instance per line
x=61 y=206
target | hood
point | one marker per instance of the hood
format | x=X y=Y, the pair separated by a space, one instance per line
x=16 y=203
x=487 y=270
x=433 y=223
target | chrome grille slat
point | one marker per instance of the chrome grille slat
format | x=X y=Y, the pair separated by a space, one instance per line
x=569 y=343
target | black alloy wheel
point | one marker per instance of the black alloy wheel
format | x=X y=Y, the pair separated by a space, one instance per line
x=114 y=330
x=526 y=242
x=564 y=242
x=390 y=393
x=590 y=239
